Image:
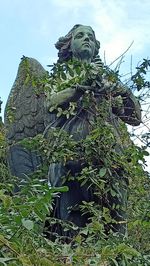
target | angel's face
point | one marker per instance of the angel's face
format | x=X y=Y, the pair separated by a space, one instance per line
x=83 y=43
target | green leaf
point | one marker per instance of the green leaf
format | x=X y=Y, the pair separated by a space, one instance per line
x=114 y=261
x=59 y=189
x=28 y=224
x=102 y=172
x=52 y=109
x=128 y=251
x=63 y=75
x=46 y=262
x=38 y=212
x=71 y=72
x=3 y=260
x=113 y=192
x=78 y=70
x=25 y=260
x=6 y=199
x=85 y=231
x=146 y=153
x=4 y=240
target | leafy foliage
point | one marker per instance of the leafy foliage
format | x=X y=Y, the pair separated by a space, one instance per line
x=23 y=215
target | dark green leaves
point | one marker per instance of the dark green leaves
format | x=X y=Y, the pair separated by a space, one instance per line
x=139 y=78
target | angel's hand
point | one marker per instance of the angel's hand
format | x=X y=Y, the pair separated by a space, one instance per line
x=115 y=88
x=121 y=90
x=82 y=88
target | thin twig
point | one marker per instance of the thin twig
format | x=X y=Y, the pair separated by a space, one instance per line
x=121 y=54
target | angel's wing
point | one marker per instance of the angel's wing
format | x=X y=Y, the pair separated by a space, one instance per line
x=24 y=112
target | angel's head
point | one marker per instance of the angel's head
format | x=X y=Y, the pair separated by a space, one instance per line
x=80 y=43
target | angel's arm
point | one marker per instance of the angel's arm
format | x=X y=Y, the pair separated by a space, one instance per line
x=67 y=95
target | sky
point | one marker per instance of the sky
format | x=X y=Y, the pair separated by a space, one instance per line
x=32 y=27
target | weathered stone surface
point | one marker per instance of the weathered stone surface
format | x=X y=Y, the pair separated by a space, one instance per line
x=29 y=116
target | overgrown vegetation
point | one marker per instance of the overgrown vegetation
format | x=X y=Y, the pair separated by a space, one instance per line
x=23 y=215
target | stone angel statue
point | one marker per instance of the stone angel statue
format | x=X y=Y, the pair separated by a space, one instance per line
x=30 y=108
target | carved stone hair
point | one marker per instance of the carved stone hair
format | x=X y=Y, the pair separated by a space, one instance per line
x=63 y=45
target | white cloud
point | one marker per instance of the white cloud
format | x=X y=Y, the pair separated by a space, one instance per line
x=116 y=23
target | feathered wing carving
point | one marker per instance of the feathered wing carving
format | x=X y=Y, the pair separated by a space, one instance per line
x=24 y=117
x=24 y=112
